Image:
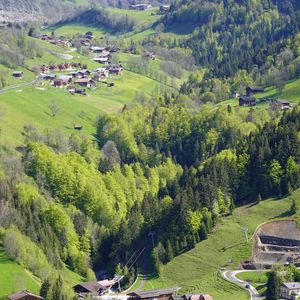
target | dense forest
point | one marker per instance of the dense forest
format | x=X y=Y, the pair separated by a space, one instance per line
x=231 y=35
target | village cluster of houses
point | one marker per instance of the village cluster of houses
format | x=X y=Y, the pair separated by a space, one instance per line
x=83 y=78
x=99 y=288
x=98 y=54
x=249 y=100
x=94 y=289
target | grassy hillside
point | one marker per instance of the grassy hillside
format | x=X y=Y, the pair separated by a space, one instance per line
x=142 y=18
x=197 y=270
x=30 y=105
x=14 y=278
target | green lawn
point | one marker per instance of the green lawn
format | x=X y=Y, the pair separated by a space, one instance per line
x=197 y=270
x=72 y=29
x=256 y=278
x=14 y=278
x=143 y=18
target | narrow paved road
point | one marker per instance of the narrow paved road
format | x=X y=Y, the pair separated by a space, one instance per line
x=36 y=80
x=231 y=276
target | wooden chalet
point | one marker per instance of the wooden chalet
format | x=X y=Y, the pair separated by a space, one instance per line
x=24 y=295
x=141 y=6
x=163 y=9
x=251 y=90
x=49 y=77
x=247 y=101
x=162 y=294
x=78 y=127
x=93 y=288
x=86 y=82
x=283 y=104
x=60 y=83
x=17 y=74
x=115 y=69
x=97 y=50
x=101 y=60
x=151 y=55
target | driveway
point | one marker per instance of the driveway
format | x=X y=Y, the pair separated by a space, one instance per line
x=231 y=276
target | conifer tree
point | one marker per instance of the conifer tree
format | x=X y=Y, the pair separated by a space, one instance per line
x=169 y=251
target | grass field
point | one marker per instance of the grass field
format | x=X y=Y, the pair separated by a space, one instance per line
x=14 y=278
x=72 y=29
x=30 y=105
x=142 y=18
x=197 y=270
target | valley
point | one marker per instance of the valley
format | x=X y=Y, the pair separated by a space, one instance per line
x=143 y=144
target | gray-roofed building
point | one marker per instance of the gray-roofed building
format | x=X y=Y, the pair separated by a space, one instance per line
x=290 y=290
x=89 y=288
x=163 y=294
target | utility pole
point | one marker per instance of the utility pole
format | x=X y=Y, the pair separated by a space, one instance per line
x=152 y=233
x=245 y=230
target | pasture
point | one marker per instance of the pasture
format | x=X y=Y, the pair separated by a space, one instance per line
x=14 y=278
x=198 y=270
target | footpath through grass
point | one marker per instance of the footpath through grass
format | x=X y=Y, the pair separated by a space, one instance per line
x=197 y=270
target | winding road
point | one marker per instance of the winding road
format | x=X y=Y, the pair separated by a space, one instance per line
x=231 y=276
x=36 y=80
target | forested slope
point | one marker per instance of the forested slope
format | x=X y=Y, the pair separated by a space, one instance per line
x=233 y=35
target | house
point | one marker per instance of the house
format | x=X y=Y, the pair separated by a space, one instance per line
x=89 y=35
x=49 y=77
x=116 y=69
x=93 y=288
x=86 y=82
x=162 y=294
x=17 y=74
x=163 y=9
x=151 y=55
x=290 y=290
x=60 y=83
x=140 y=6
x=247 y=101
x=101 y=74
x=78 y=127
x=283 y=104
x=98 y=50
x=101 y=60
x=251 y=90
x=24 y=295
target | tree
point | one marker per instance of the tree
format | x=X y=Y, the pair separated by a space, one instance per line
x=45 y=288
x=169 y=251
x=54 y=109
x=294 y=207
x=273 y=285
x=57 y=290
x=156 y=263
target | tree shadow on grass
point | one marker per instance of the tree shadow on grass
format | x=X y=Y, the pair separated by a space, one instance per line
x=223 y=249
x=285 y=214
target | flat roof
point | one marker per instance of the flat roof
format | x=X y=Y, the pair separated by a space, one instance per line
x=153 y=293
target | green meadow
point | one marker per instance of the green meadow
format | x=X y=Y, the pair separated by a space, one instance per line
x=14 y=278
x=72 y=29
x=143 y=18
x=198 y=269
